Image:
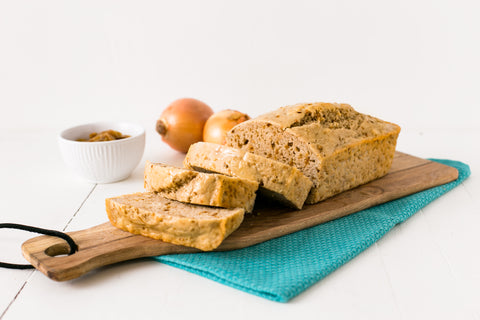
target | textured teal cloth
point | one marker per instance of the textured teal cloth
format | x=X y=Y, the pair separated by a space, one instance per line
x=282 y=268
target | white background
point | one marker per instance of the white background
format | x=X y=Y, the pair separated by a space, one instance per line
x=64 y=63
x=415 y=62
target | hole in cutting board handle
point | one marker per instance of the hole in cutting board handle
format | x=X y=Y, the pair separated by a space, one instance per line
x=52 y=251
x=58 y=250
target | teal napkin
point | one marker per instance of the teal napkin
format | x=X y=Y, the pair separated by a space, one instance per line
x=282 y=268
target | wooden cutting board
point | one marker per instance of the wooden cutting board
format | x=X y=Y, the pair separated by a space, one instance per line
x=104 y=244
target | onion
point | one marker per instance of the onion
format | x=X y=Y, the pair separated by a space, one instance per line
x=181 y=123
x=220 y=123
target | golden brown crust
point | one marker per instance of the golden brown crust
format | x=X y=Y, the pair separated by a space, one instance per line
x=151 y=215
x=280 y=181
x=335 y=146
x=200 y=188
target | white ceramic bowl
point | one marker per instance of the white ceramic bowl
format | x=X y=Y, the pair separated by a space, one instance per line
x=103 y=161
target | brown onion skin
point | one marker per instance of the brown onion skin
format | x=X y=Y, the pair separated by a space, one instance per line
x=181 y=123
x=220 y=123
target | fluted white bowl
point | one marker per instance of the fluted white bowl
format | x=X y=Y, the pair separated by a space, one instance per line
x=102 y=161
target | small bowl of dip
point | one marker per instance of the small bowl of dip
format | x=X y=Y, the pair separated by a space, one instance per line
x=103 y=152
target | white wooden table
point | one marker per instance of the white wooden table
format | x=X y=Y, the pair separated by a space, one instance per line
x=66 y=63
x=427 y=266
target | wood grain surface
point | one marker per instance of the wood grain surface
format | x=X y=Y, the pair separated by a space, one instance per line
x=104 y=244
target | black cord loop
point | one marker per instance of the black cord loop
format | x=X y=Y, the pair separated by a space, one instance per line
x=54 y=233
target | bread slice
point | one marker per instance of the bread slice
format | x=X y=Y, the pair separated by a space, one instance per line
x=151 y=215
x=200 y=188
x=277 y=180
x=335 y=146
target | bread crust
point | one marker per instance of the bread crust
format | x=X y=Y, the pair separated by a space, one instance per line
x=151 y=215
x=277 y=180
x=335 y=146
x=195 y=187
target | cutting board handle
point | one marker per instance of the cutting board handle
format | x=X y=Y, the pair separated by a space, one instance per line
x=97 y=247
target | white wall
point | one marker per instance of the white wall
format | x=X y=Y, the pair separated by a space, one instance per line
x=67 y=62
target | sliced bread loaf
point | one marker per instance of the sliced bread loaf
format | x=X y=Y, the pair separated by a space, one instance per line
x=277 y=180
x=195 y=187
x=151 y=215
x=335 y=146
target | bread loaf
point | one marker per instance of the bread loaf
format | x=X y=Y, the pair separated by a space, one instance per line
x=151 y=215
x=200 y=188
x=277 y=180
x=335 y=146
